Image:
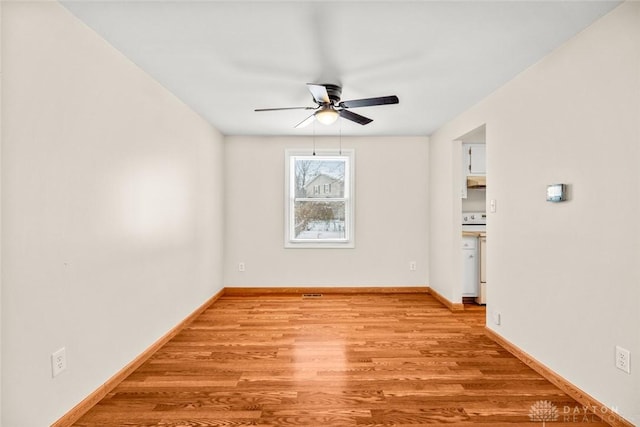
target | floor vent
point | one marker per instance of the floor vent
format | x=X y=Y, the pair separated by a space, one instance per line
x=311 y=295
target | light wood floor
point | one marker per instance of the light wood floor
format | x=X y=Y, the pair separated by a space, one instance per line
x=338 y=360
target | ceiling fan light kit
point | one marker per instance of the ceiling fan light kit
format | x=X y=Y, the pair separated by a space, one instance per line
x=329 y=107
x=326 y=115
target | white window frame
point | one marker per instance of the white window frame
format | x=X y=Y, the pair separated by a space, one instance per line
x=290 y=241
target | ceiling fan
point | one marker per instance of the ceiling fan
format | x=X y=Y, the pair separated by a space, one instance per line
x=329 y=107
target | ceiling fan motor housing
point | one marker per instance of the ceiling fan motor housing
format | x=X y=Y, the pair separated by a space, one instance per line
x=334 y=92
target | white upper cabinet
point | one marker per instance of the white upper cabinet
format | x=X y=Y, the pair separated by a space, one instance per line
x=474 y=159
x=473 y=163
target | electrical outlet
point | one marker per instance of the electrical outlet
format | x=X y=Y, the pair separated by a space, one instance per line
x=496 y=318
x=623 y=359
x=413 y=266
x=241 y=266
x=58 y=362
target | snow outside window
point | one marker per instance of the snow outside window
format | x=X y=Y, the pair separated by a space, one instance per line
x=319 y=200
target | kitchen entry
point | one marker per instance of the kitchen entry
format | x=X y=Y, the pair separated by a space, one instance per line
x=473 y=215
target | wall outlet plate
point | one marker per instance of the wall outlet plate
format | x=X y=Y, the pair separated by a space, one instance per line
x=623 y=359
x=496 y=318
x=58 y=362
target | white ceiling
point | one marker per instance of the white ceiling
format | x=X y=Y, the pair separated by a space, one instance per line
x=225 y=58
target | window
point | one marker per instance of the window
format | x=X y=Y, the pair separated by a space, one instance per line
x=319 y=200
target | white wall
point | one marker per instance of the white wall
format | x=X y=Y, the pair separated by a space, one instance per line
x=475 y=201
x=111 y=211
x=1 y=210
x=564 y=276
x=391 y=208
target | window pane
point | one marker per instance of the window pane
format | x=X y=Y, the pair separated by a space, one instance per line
x=319 y=179
x=320 y=220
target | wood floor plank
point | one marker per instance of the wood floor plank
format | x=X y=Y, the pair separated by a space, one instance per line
x=338 y=360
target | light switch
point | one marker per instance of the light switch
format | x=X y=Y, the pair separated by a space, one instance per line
x=492 y=206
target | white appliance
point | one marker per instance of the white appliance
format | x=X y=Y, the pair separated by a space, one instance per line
x=474 y=221
x=473 y=284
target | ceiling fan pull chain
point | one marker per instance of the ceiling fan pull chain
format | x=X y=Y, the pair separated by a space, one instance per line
x=340 y=135
x=314 y=137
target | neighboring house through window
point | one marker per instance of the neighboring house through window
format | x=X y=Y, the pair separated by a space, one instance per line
x=319 y=200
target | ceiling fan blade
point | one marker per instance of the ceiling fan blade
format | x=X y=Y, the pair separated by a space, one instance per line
x=285 y=108
x=367 y=102
x=319 y=93
x=306 y=121
x=355 y=117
